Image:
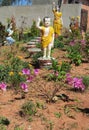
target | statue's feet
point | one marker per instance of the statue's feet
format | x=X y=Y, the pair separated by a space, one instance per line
x=44 y=57
x=49 y=57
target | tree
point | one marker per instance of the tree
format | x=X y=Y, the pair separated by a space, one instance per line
x=6 y=2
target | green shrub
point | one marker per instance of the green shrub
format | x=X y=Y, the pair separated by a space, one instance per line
x=2 y=33
x=2 y=127
x=35 y=57
x=86 y=50
x=58 y=42
x=86 y=81
x=4 y=73
x=29 y=109
x=4 y=121
x=11 y=71
x=18 y=128
x=59 y=70
x=34 y=30
x=74 y=53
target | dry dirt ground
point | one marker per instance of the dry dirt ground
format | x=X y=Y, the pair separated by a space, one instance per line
x=59 y=115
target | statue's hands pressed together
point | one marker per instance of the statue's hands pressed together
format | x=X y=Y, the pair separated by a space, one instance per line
x=53 y=3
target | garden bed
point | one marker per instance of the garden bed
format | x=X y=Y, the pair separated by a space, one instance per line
x=71 y=114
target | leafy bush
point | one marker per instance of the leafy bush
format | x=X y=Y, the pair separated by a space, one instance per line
x=18 y=128
x=2 y=33
x=29 y=109
x=14 y=67
x=35 y=57
x=76 y=34
x=2 y=127
x=86 y=81
x=59 y=70
x=34 y=30
x=16 y=72
x=58 y=42
x=4 y=73
x=87 y=36
x=74 y=53
x=4 y=121
x=65 y=66
x=49 y=91
x=86 y=50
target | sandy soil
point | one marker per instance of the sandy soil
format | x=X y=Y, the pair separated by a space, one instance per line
x=59 y=115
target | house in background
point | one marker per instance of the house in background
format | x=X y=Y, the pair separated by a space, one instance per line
x=84 y=21
x=85 y=2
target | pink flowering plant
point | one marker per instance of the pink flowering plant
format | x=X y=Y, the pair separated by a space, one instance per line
x=59 y=70
x=86 y=49
x=74 y=50
x=78 y=49
x=3 y=86
x=16 y=73
x=76 y=83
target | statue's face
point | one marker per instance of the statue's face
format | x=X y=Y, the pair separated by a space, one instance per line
x=47 y=22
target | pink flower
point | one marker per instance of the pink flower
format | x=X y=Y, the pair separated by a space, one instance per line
x=36 y=71
x=72 y=43
x=69 y=79
x=3 y=86
x=26 y=71
x=24 y=87
x=30 y=78
x=77 y=83
x=83 y=43
x=56 y=73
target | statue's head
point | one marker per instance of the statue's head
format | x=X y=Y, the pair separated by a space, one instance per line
x=46 y=21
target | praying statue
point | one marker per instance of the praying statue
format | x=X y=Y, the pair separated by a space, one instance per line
x=47 y=36
x=58 y=21
x=74 y=23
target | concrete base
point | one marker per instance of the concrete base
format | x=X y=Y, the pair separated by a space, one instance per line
x=44 y=62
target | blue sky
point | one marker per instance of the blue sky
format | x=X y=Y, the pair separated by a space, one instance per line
x=22 y=2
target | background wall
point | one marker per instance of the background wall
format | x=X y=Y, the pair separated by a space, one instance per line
x=30 y=13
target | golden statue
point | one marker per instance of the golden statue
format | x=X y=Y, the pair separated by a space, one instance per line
x=57 y=22
x=47 y=37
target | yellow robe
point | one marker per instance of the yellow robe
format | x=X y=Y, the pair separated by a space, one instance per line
x=46 y=40
x=57 y=23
